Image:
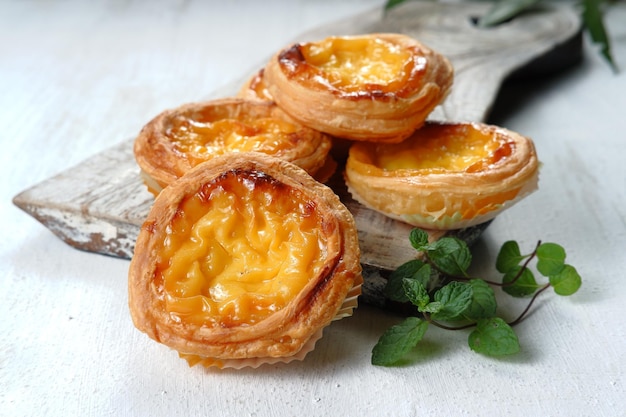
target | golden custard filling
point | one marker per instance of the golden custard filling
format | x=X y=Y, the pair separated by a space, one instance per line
x=440 y=151
x=349 y=63
x=201 y=140
x=239 y=250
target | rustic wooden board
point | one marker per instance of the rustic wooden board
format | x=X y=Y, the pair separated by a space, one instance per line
x=99 y=205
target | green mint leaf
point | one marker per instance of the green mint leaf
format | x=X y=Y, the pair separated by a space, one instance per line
x=455 y=298
x=550 y=259
x=422 y=275
x=523 y=286
x=501 y=11
x=493 y=337
x=566 y=282
x=508 y=257
x=418 y=239
x=398 y=340
x=415 y=290
x=483 y=303
x=432 y=307
x=394 y=290
x=594 y=23
x=392 y=3
x=450 y=255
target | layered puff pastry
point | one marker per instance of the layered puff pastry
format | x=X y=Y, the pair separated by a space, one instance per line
x=376 y=87
x=445 y=176
x=179 y=139
x=243 y=261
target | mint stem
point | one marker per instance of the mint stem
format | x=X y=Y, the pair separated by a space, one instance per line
x=523 y=268
x=532 y=300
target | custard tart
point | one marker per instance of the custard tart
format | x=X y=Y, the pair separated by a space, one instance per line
x=376 y=87
x=445 y=176
x=255 y=88
x=177 y=140
x=243 y=261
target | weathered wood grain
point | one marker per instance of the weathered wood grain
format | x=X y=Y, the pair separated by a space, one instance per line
x=99 y=205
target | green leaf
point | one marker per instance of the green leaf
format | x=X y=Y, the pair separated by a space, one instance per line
x=432 y=307
x=415 y=290
x=508 y=257
x=594 y=23
x=550 y=259
x=423 y=275
x=398 y=340
x=418 y=239
x=455 y=298
x=503 y=10
x=523 y=286
x=450 y=255
x=392 y=3
x=493 y=337
x=394 y=290
x=483 y=303
x=566 y=282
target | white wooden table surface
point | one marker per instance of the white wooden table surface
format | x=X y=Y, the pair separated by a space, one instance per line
x=76 y=78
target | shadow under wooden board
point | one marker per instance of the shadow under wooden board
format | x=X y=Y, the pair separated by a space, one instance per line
x=100 y=204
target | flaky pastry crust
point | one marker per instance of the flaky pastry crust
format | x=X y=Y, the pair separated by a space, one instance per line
x=252 y=188
x=383 y=99
x=445 y=176
x=179 y=139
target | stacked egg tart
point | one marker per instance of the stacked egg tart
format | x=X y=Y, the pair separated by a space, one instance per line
x=246 y=256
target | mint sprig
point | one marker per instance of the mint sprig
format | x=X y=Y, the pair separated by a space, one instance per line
x=446 y=296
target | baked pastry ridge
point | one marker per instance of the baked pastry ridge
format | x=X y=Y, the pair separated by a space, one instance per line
x=244 y=261
x=445 y=176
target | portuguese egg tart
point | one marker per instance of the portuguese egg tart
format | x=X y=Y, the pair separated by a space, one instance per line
x=445 y=176
x=255 y=88
x=177 y=140
x=376 y=87
x=243 y=261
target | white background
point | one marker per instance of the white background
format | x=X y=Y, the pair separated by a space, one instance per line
x=78 y=77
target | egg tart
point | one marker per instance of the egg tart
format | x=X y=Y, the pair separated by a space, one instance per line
x=177 y=140
x=243 y=261
x=445 y=176
x=375 y=87
x=255 y=88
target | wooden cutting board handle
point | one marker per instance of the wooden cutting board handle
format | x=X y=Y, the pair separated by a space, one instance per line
x=99 y=205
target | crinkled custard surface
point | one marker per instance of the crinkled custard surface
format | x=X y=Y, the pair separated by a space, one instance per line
x=239 y=251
